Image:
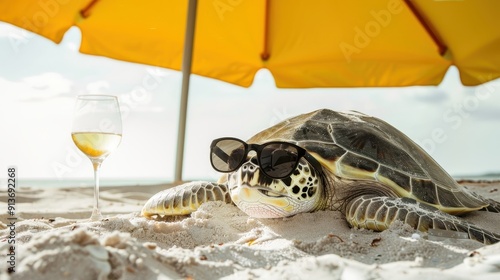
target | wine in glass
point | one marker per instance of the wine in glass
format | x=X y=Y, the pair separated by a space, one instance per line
x=96 y=131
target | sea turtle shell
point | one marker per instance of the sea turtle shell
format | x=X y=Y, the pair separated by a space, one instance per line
x=354 y=146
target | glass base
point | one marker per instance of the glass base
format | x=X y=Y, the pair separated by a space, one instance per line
x=96 y=215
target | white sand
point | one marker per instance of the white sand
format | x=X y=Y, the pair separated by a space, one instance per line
x=54 y=241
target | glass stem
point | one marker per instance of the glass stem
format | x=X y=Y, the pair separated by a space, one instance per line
x=96 y=212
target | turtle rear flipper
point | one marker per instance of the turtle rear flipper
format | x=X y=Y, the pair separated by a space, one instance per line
x=184 y=199
x=378 y=213
x=493 y=206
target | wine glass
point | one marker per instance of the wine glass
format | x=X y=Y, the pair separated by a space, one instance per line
x=96 y=131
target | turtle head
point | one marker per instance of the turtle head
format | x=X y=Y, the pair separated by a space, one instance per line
x=263 y=197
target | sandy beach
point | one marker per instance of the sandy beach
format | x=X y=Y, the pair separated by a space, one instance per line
x=53 y=240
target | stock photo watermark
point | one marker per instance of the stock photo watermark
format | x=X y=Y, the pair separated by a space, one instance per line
x=48 y=9
x=279 y=115
x=364 y=35
x=455 y=116
x=12 y=218
x=139 y=96
x=223 y=6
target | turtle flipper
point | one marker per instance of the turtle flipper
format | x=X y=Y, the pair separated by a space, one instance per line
x=493 y=206
x=184 y=199
x=378 y=213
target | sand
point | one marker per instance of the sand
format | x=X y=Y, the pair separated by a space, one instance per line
x=218 y=241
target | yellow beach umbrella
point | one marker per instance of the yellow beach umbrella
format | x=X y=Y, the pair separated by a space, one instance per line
x=316 y=43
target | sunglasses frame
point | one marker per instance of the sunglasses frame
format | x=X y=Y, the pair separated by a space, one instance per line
x=258 y=148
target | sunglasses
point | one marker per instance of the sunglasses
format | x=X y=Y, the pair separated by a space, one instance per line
x=277 y=160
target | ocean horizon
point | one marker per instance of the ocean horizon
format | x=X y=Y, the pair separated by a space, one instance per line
x=87 y=182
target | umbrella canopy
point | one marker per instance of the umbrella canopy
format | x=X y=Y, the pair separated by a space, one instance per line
x=320 y=43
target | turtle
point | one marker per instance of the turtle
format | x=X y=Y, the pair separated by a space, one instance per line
x=354 y=163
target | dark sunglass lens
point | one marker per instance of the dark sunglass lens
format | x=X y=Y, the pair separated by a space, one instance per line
x=278 y=160
x=227 y=155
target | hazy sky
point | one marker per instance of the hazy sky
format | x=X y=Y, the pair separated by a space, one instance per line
x=39 y=81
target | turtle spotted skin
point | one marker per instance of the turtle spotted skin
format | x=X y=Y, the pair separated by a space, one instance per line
x=371 y=172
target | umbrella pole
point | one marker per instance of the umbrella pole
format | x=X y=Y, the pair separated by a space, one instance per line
x=186 y=73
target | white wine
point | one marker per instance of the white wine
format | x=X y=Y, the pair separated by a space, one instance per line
x=93 y=113
x=96 y=144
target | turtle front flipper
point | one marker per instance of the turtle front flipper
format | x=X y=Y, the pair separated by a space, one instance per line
x=184 y=199
x=378 y=213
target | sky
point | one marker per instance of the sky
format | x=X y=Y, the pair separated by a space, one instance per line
x=39 y=81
